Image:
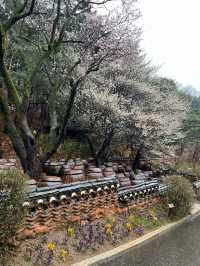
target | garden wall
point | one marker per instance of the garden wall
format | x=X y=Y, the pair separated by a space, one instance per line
x=46 y=217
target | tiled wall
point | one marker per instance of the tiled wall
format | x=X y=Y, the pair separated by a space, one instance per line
x=47 y=217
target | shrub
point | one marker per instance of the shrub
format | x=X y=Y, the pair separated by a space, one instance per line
x=180 y=193
x=72 y=149
x=12 y=196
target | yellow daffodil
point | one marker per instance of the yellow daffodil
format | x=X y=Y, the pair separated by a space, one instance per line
x=109 y=232
x=155 y=218
x=70 y=231
x=63 y=254
x=108 y=226
x=51 y=246
x=129 y=226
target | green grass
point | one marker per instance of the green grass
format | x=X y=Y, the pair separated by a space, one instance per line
x=146 y=222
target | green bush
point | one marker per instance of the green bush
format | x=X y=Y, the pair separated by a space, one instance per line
x=71 y=149
x=12 y=196
x=180 y=193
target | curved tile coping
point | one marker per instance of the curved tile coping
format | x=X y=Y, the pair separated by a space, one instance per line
x=73 y=187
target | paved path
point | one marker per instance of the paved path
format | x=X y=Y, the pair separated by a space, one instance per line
x=195 y=207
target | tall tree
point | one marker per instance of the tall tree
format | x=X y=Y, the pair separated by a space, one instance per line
x=33 y=36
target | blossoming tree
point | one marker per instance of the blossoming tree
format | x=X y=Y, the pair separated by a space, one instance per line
x=35 y=34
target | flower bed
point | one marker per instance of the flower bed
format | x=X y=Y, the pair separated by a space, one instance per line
x=77 y=241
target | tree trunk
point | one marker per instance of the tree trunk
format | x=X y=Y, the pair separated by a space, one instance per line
x=91 y=146
x=101 y=154
x=32 y=160
x=182 y=148
x=61 y=136
x=34 y=168
x=53 y=125
x=136 y=162
x=107 y=154
x=19 y=131
x=195 y=155
x=27 y=155
x=25 y=146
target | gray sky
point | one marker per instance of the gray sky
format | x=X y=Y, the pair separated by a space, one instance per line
x=172 y=37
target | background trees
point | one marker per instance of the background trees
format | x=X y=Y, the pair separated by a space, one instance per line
x=121 y=106
x=190 y=143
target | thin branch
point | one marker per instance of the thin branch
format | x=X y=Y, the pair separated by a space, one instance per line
x=11 y=87
x=99 y=3
x=72 y=41
x=30 y=41
x=16 y=17
x=75 y=65
x=55 y=23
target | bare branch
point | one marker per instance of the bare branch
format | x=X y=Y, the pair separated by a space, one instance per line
x=18 y=17
x=99 y=3
x=55 y=23
x=73 y=41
